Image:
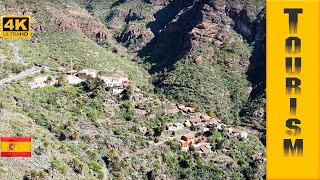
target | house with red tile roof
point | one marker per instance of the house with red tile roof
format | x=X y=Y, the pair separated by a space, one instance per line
x=191 y=139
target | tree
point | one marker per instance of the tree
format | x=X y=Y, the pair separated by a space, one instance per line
x=95 y=85
x=62 y=80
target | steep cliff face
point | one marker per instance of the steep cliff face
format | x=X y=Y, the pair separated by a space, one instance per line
x=206 y=53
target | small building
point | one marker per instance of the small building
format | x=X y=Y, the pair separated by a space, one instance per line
x=174 y=126
x=117 y=91
x=195 y=121
x=115 y=81
x=187 y=140
x=85 y=73
x=71 y=79
x=243 y=135
x=187 y=123
x=233 y=132
x=191 y=139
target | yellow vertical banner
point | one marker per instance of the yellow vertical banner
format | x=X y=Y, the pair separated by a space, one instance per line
x=293 y=81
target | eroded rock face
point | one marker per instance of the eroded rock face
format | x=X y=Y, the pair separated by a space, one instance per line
x=103 y=35
x=133 y=34
x=116 y=19
x=68 y=25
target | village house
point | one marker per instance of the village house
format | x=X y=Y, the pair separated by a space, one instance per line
x=233 y=132
x=174 y=126
x=85 y=73
x=191 y=139
x=82 y=74
x=187 y=123
x=195 y=121
x=117 y=91
x=209 y=120
x=115 y=81
x=71 y=79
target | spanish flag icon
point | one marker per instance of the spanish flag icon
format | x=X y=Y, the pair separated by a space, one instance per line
x=16 y=146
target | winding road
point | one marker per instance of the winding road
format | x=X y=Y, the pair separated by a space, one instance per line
x=22 y=75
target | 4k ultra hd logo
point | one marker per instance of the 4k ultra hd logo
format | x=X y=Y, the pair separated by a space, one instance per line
x=15 y=27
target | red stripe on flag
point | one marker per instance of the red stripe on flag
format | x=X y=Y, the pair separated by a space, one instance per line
x=16 y=139
x=15 y=154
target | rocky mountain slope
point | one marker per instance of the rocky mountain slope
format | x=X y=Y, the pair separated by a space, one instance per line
x=207 y=54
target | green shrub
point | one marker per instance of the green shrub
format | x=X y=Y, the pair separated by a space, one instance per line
x=56 y=164
x=95 y=166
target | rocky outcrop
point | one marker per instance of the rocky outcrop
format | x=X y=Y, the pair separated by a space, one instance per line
x=132 y=34
x=68 y=25
x=132 y=16
x=198 y=60
x=102 y=35
x=116 y=19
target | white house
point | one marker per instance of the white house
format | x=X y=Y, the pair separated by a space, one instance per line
x=174 y=127
x=187 y=123
x=73 y=79
x=114 y=81
x=85 y=73
x=117 y=91
x=243 y=135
